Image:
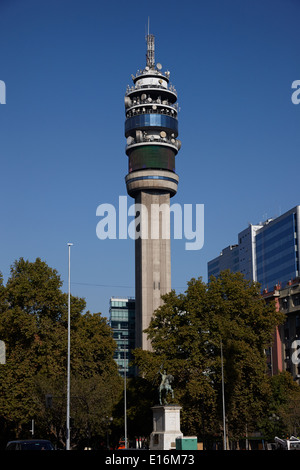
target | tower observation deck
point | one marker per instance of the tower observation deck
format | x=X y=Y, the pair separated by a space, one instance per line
x=151 y=131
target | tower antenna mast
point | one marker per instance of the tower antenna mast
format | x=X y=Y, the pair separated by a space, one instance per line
x=150 y=48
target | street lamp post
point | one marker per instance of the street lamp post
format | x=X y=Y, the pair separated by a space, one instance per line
x=223 y=395
x=69 y=350
x=223 y=401
x=125 y=411
x=125 y=396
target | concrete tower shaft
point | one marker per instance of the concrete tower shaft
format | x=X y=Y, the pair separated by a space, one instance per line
x=151 y=131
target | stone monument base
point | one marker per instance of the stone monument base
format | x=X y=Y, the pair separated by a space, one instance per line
x=166 y=427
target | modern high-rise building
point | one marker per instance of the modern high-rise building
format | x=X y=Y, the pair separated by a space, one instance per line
x=122 y=323
x=267 y=252
x=228 y=259
x=151 y=130
x=277 y=245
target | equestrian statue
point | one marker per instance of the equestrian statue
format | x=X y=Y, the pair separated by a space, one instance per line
x=165 y=387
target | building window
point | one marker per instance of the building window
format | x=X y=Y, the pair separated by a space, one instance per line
x=296 y=300
x=287 y=353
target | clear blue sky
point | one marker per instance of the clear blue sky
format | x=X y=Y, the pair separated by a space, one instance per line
x=66 y=65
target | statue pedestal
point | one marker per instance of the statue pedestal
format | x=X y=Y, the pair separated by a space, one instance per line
x=166 y=427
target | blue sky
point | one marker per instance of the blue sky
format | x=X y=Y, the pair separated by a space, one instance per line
x=66 y=65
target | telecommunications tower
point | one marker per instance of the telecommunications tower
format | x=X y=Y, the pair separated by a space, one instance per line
x=151 y=130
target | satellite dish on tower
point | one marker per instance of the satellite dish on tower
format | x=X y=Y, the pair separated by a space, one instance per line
x=159 y=66
x=139 y=136
x=128 y=102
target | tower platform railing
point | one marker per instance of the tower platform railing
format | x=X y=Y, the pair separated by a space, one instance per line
x=136 y=87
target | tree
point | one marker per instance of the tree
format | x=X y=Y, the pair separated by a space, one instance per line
x=186 y=334
x=282 y=417
x=33 y=324
x=139 y=393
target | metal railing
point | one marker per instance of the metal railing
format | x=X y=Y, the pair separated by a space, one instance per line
x=136 y=87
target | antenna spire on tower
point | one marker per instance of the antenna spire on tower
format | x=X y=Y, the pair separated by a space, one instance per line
x=150 y=48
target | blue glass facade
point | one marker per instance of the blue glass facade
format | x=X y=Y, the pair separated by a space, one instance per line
x=267 y=252
x=122 y=322
x=141 y=121
x=229 y=259
x=277 y=252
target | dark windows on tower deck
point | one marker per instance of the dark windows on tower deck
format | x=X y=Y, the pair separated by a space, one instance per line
x=152 y=156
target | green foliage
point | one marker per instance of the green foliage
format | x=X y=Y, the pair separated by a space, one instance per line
x=33 y=325
x=281 y=415
x=139 y=393
x=186 y=334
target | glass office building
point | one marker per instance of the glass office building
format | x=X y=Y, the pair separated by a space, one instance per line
x=277 y=256
x=228 y=259
x=267 y=252
x=122 y=322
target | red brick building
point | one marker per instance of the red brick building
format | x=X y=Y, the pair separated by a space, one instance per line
x=285 y=352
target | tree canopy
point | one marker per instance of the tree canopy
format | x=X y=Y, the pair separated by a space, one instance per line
x=224 y=322
x=33 y=325
x=187 y=333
